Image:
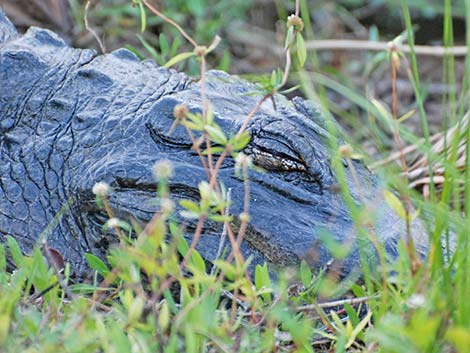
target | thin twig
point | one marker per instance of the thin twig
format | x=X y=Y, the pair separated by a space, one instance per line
x=197 y=235
x=395 y=65
x=254 y=36
x=343 y=44
x=332 y=304
x=173 y=23
x=91 y=30
x=246 y=206
x=223 y=236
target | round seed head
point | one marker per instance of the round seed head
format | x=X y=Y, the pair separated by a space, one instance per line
x=113 y=222
x=200 y=50
x=243 y=161
x=167 y=205
x=101 y=189
x=345 y=151
x=416 y=301
x=295 y=21
x=244 y=217
x=180 y=111
x=163 y=169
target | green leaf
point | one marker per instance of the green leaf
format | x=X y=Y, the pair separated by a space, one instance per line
x=301 y=49
x=395 y=204
x=214 y=150
x=194 y=122
x=3 y=259
x=189 y=214
x=121 y=224
x=358 y=329
x=164 y=45
x=262 y=280
x=170 y=301
x=289 y=36
x=182 y=246
x=190 y=339
x=291 y=89
x=135 y=51
x=382 y=110
x=195 y=118
x=214 y=44
x=164 y=316
x=15 y=252
x=175 y=46
x=224 y=63
x=83 y=288
x=143 y=17
x=174 y=229
x=406 y=115
x=337 y=321
x=196 y=7
x=205 y=190
x=197 y=261
x=239 y=143
x=216 y=134
x=209 y=115
x=273 y=79
x=118 y=339
x=353 y=316
x=190 y=205
x=149 y=48
x=39 y=270
x=358 y=290
x=305 y=274
x=459 y=337
x=220 y=218
x=192 y=126
x=97 y=264
x=176 y=59
x=228 y=269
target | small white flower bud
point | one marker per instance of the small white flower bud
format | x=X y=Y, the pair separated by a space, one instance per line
x=163 y=169
x=200 y=50
x=244 y=217
x=296 y=21
x=180 y=111
x=345 y=151
x=101 y=189
x=113 y=222
x=243 y=161
x=416 y=301
x=167 y=205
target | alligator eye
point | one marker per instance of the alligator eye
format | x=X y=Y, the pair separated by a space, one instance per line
x=272 y=161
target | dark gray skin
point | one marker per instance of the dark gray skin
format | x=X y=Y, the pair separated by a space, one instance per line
x=70 y=118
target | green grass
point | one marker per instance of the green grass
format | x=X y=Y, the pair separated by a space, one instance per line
x=120 y=23
x=144 y=302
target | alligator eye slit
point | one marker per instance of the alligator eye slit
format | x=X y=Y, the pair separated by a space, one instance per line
x=128 y=183
x=272 y=161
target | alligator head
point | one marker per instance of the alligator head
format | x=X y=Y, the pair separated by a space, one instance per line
x=70 y=119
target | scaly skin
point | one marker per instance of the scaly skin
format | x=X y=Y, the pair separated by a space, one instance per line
x=71 y=118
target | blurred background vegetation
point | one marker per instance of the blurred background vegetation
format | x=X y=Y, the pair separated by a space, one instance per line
x=253 y=33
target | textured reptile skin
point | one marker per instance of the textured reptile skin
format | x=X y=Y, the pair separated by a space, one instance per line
x=70 y=118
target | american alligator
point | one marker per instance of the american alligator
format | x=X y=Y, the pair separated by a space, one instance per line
x=70 y=118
